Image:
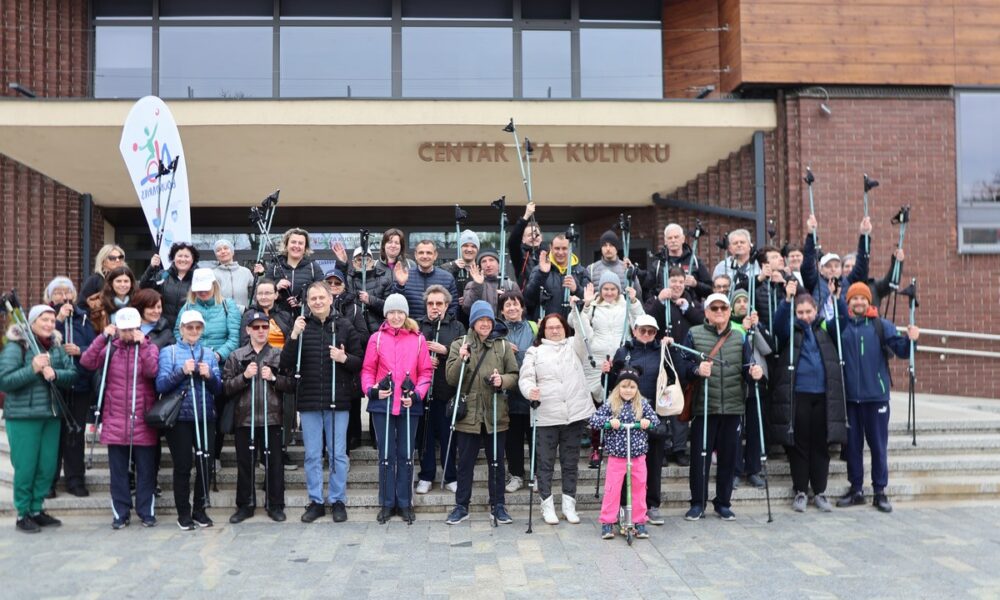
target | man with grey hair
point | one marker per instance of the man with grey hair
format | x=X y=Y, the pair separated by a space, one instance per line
x=737 y=264
x=676 y=253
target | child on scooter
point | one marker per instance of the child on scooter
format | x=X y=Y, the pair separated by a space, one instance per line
x=624 y=404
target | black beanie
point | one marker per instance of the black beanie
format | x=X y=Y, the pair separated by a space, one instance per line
x=609 y=237
x=92 y=285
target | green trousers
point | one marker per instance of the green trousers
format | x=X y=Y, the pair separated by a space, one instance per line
x=34 y=448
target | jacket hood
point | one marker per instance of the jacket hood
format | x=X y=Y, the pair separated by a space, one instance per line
x=573 y=261
x=15 y=333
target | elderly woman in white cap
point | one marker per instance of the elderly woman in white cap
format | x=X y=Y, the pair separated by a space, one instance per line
x=31 y=412
x=190 y=365
x=129 y=392
x=234 y=279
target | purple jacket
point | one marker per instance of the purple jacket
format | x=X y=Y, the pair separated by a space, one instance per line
x=117 y=403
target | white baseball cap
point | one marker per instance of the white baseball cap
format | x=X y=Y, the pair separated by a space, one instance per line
x=645 y=321
x=716 y=298
x=192 y=316
x=127 y=318
x=827 y=258
x=202 y=280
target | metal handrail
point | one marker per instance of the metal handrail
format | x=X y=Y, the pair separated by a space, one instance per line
x=990 y=337
x=944 y=334
x=957 y=351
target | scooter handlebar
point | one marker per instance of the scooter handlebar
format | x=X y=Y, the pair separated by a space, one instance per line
x=634 y=425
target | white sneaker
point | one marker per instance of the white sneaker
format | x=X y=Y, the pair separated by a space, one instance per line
x=423 y=486
x=514 y=484
x=451 y=487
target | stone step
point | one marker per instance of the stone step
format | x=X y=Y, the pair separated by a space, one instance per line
x=365 y=476
x=675 y=497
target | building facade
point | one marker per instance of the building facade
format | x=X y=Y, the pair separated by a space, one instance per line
x=387 y=113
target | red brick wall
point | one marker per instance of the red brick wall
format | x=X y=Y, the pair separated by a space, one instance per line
x=46 y=47
x=908 y=144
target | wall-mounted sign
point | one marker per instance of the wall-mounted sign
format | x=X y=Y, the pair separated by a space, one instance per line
x=572 y=152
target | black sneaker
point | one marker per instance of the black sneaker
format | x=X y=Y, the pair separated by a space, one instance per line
x=51 y=493
x=501 y=515
x=120 y=523
x=186 y=524
x=27 y=525
x=339 y=512
x=881 y=502
x=149 y=522
x=851 y=498
x=408 y=515
x=314 y=511
x=201 y=519
x=286 y=460
x=79 y=491
x=277 y=515
x=755 y=480
x=44 y=520
x=682 y=459
x=242 y=514
x=385 y=514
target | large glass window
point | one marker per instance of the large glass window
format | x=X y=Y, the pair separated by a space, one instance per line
x=458 y=62
x=621 y=63
x=215 y=62
x=124 y=64
x=336 y=62
x=546 y=64
x=978 y=171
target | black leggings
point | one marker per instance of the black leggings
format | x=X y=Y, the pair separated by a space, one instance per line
x=181 y=440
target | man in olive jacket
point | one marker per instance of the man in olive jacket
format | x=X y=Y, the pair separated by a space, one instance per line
x=725 y=379
x=490 y=368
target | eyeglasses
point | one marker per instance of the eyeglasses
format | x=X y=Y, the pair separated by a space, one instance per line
x=260 y=327
x=116 y=257
x=718 y=308
x=554 y=328
x=335 y=283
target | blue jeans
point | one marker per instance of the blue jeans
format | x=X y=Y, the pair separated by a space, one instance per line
x=396 y=480
x=317 y=425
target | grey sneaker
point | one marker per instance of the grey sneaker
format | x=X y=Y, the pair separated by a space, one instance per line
x=822 y=503
x=653 y=516
x=800 y=502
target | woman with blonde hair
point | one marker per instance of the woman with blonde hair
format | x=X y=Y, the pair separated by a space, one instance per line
x=295 y=270
x=109 y=257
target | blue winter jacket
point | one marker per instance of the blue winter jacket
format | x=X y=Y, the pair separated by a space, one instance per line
x=170 y=376
x=83 y=335
x=811 y=275
x=222 y=325
x=417 y=284
x=647 y=358
x=866 y=370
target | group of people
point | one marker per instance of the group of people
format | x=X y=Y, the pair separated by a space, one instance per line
x=769 y=347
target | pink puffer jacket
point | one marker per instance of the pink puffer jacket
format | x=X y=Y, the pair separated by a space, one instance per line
x=400 y=351
x=117 y=404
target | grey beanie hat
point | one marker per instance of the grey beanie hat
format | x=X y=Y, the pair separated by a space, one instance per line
x=395 y=302
x=468 y=237
x=37 y=311
x=610 y=277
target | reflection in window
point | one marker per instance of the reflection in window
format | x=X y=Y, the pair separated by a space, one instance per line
x=215 y=62
x=979 y=148
x=122 y=63
x=458 y=62
x=336 y=62
x=621 y=63
x=545 y=64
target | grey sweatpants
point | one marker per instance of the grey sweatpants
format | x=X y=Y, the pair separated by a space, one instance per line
x=565 y=438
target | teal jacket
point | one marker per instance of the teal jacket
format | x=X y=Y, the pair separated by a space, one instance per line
x=27 y=394
x=222 y=325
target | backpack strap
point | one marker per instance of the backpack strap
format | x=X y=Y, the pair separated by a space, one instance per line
x=880 y=332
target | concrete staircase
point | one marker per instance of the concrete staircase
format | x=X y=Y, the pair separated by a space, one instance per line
x=957 y=457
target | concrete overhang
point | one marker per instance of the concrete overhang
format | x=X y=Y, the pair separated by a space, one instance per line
x=392 y=152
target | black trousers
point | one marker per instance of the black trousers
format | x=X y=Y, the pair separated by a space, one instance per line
x=181 y=441
x=72 y=446
x=809 y=458
x=518 y=431
x=723 y=436
x=468 y=445
x=678 y=441
x=246 y=495
x=145 y=481
x=654 y=471
x=748 y=456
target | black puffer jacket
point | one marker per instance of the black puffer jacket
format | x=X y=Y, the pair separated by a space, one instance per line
x=681 y=321
x=347 y=306
x=378 y=284
x=553 y=284
x=174 y=291
x=162 y=334
x=314 y=385
x=450 y=330
x=652 y=279
x=305 y=273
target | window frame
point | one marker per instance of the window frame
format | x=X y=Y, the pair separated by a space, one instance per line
x=985 y=215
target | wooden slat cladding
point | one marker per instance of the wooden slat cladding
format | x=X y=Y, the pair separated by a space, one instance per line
x=863 y=42
x=690 y=58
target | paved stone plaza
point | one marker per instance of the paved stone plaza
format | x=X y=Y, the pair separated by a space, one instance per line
x=921 y=550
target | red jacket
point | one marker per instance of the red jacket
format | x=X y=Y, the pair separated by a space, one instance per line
x=116 y=408
x=401 y=351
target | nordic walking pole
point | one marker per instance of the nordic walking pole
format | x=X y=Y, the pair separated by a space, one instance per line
x=135 y=383
x=583 y=331
x=572 y=237
x=531 y=490
x=209 y=458
x=100 y=401
x=911 y=409
x=298 y=354
x=901 y=218
x=253 y=446
x=495 y=465
x=363 y=235
x=696 y=233
x=174 y=164
x=430 y=396
x=454 y=415
x=407 y=390
x=460 y=217
x=198 y=449
x=385 y=440
x=600 y=442
x=869 y=184
x=267 y=451
x=760 y=431
x=525 y=174
x=810 y=179
x=333 y=398
x=840 y=349
x=625 y=224
x=501 y=205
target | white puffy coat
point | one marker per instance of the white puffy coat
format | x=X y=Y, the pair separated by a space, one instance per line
x=607 y=321
x=556 y=369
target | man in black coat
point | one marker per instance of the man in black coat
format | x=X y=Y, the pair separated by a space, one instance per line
x=557 y=272
x=679 y=304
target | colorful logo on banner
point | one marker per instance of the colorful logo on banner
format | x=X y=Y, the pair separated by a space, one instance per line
x=151 y=147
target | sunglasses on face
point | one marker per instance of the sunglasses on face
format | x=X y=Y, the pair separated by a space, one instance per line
x=646 y=331
x=718 y=308
x=260 y=327
x=116 y=257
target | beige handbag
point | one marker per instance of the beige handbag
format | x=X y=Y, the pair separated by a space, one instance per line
x=669 y=396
